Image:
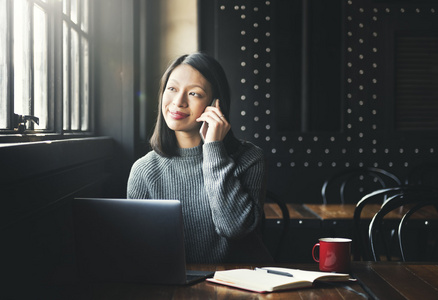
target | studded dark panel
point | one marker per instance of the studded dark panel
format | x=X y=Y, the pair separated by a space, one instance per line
x=239 y=33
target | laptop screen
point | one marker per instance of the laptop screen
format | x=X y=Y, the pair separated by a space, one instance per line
x=129 y=240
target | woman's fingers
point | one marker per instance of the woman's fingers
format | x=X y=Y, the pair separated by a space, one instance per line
x=218 y=125
x=215 y=109
x=213 y=112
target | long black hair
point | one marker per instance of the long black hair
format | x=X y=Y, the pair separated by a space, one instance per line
x=163 y=140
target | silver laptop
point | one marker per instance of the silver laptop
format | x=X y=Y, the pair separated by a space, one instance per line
x=126 y=240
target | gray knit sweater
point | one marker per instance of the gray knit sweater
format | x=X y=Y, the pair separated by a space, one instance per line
x=220 y=196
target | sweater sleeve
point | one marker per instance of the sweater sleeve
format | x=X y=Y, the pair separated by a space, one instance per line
x=233 y=186
x=137 y=187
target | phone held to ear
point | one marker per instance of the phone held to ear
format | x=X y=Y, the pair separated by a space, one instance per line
x=204 y=126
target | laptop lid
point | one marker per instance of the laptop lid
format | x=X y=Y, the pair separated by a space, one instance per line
x=129 y=240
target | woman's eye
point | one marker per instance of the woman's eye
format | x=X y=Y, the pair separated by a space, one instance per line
x=194 y=94
x=171 y=88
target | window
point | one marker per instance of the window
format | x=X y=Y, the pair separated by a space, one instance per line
x=45 y=66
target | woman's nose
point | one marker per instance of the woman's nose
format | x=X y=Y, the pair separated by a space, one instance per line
x=180 y=100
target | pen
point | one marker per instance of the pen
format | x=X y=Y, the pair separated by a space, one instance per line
x=275 y=272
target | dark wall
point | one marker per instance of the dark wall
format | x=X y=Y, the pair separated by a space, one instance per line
x=289 y=80
x=38 y=183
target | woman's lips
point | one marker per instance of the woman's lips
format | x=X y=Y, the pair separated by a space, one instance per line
x=177 y=115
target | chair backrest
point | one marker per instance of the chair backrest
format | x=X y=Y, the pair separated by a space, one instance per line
x=426 y=238
x=354 y=183
x=270 y=197
x=361 y=249
x=407 y=197
x=284 y=224
x=381 y=196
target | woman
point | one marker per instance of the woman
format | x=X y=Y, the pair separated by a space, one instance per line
x=218 y=179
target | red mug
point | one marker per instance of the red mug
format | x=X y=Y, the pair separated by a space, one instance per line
x=334 y=254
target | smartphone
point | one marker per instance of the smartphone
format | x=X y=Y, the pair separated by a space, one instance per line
x=204 y=126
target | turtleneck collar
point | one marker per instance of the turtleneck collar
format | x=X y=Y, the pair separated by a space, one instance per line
x=187 y=152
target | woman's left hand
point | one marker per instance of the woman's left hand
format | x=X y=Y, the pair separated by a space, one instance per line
x=218 y=126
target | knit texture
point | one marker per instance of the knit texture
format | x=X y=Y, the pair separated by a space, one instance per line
x=220 y=197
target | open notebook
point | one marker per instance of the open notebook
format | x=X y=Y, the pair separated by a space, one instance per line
x=128 y=240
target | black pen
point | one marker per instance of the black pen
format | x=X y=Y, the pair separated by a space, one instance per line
x=275 y=272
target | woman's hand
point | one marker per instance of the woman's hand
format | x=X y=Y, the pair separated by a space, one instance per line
x=218 y=126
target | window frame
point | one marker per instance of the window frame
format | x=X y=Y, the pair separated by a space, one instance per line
x=55 y=73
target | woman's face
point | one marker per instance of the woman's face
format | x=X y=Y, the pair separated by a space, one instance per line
x=186 y=95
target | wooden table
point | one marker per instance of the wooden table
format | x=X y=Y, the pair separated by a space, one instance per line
x=379 y=280
x=300 y=216
x=341 y=215
x=320 y=215
x=327 y=220
x=201 y=290
x=339 y=212
x=386 y=280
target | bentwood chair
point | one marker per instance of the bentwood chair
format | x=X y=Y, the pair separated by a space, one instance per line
x=283 y=224
x=381 y=234
x=348 y=186
x=360 y=238
x=270 y=197
x=419 y=245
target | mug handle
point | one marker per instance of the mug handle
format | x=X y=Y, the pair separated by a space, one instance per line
x=313 y=252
